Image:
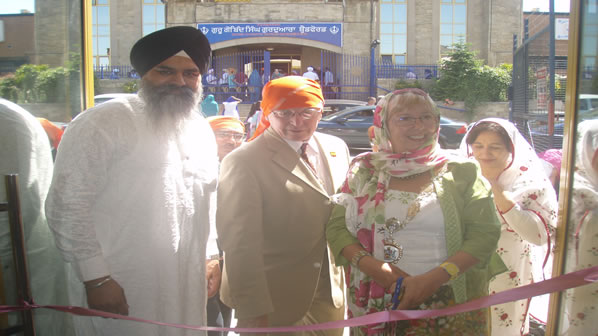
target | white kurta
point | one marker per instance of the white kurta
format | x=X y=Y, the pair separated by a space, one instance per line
x=129 y=203
x=230 y=109
x=25 y=150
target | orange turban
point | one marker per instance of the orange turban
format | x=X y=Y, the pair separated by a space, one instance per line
x=371 y=132
x=54 y=132
x=286 y=93
x=226 y=122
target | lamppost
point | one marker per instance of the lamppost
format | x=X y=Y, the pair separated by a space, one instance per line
x=373 y=46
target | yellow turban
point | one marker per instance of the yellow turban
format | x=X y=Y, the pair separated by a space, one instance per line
x=226 y=122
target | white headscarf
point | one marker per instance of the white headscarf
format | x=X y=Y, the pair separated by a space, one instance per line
x=524 y=177
x=585 y=183
x=525 y=170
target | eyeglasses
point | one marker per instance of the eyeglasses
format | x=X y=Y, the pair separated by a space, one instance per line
x=305 y=113
x=224 y=134
x=407 y=121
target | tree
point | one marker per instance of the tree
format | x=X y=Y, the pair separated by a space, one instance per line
x=9 y=89
x=33 y=83
x=463 y=77
x=26 y=78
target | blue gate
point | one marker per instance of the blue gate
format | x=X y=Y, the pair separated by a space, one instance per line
x=241 y=67
x=342 y=76
x=349 y=76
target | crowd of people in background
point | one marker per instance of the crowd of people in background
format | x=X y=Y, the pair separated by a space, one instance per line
x=305 y=235
x=247 y=86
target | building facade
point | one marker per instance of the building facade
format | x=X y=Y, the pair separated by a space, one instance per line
x=16 y=41
x=409 y=32
x=537 y=23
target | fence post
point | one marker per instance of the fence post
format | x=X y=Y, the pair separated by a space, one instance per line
x=373 y=46
x=266 y=67
x=551 y=75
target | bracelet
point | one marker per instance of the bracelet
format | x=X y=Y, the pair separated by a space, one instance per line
x=398 y=294
x=357 y=257
x=452 y=269
x=99 y=284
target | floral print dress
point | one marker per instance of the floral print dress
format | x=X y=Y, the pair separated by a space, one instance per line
x=525 y=180
x=581 y=303
x=366 y=296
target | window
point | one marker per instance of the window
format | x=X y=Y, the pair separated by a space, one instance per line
x=453 y=24
x=154 y=16
x=100 y=22
x=393 y=30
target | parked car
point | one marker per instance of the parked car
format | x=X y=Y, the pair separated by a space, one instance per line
x=106 y=97
x=539 y=138
x=352 y=125
x=336 y=105
x=587 y=105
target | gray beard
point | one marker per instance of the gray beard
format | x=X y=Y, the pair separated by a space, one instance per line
x=168 y=106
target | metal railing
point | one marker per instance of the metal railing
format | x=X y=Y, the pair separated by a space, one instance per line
x=115 y=72
x=388 y=70
x=351 y=74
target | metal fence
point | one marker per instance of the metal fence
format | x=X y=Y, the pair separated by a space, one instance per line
x=115 y=72
x=538 y=117
x=389 y=70
x=240 y=66
x=349 y=76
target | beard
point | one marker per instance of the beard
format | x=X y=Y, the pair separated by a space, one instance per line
x=168 y=106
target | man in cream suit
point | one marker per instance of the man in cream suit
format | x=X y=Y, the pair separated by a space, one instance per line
x=278 y=271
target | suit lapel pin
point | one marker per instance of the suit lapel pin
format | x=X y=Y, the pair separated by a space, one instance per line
x=333 y=154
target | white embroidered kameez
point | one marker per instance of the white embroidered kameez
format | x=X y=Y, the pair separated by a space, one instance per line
x=580 y=304
x=525 y=231
x=130 y=203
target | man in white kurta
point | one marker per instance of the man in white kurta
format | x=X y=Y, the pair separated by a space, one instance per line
x=311 y=74
x=131 y=201
x=25 y=150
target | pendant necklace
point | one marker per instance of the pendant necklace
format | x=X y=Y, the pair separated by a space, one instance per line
x=393 y=251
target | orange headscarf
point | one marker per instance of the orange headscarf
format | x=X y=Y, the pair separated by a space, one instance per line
x=54 y=132
x=285 y=93
x=226 y=122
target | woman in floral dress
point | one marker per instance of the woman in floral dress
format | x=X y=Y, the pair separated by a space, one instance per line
x=414 y=228
x=526 y=206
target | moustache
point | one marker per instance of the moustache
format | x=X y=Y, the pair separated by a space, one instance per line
x=174 y=89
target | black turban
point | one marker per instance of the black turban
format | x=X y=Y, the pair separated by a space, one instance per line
x=156 y=47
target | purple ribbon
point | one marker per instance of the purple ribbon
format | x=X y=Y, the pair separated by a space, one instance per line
x=563 y=282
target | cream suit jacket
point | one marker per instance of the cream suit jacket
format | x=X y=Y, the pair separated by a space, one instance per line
x=271 y=218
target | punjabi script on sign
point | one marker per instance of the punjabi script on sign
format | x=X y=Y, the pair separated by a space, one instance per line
x=268 y=29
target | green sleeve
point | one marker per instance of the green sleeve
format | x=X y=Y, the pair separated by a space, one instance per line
x=481 y=227
x=338 y=236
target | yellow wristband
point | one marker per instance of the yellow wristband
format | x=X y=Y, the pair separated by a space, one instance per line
x=451 y=269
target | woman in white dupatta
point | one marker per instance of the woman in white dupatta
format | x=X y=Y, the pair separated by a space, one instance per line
x=582 y=251
x=526 y=206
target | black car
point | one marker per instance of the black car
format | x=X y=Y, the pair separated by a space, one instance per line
x=352 y=125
